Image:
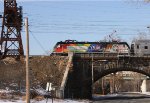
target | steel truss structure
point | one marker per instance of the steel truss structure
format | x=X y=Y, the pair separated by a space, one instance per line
x=10 y=40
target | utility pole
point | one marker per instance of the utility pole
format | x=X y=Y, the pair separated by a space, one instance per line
x=92 y=73
x=27 y=63
x=103 y=91
x=114 y=89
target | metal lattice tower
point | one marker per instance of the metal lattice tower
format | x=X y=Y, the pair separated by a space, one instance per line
x=10 y=40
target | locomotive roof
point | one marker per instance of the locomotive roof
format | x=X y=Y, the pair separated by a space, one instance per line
x=143 y=41
x=84 y=42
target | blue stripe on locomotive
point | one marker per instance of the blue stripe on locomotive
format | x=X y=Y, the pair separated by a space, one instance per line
x=95 y=48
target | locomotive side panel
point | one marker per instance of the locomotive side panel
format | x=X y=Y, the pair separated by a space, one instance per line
x=88 y=47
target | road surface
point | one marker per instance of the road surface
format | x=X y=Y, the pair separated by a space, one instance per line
x=123 y=98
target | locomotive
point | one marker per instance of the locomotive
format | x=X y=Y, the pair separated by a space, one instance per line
x=114 y=47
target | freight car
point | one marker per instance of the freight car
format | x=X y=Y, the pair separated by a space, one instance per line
x=64 y=47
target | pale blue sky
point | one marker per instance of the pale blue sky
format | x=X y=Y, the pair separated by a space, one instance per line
x=52 y=21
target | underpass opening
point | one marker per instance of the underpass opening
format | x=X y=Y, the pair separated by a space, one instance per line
x=124 y=81
x=103 y=73
x=111 y=88
x=79 y=83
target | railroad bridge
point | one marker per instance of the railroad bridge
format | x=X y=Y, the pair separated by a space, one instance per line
x=87 y=68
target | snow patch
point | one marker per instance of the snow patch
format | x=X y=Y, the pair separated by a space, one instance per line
x=49 y=101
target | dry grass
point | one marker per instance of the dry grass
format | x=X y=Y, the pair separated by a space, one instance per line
x=43 y=69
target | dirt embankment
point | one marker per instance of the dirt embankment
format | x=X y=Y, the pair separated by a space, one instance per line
x=43 y=69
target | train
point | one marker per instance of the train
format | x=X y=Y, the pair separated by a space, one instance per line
x=137 y=48
x=64 y=47
x=140 y=47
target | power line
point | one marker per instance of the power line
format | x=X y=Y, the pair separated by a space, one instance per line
x=38 y=41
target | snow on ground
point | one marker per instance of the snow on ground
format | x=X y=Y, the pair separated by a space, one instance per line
x=122 y=94
x=44 y=101
x=8 y=98
x=104 y=96
x=146 y=93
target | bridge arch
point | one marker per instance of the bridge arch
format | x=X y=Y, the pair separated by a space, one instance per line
x=79 y=83
x=114 y=70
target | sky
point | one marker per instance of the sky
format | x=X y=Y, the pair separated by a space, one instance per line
x=52 y=21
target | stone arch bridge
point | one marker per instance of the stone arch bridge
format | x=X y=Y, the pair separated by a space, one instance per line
x=88 y=68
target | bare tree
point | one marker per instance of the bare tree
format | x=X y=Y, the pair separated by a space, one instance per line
x=118 y=81
x=138 y=1
x=147 y=1
x=141 y=36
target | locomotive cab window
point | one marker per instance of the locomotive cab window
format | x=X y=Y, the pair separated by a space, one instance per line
x=137 y=46
x=146 y=47
x=124 y=45
x=132 y=46
x=58 y=46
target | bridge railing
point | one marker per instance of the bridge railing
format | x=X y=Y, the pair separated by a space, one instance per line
x=100 y=55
